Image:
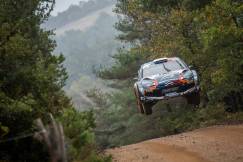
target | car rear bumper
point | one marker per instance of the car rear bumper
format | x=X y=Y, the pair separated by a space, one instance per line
x=149 y=99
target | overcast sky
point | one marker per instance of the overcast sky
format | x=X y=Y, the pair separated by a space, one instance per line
x=62 y=5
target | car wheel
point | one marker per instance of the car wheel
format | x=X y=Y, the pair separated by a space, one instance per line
x=147 y=108
x=139 y=103
x=193 y=98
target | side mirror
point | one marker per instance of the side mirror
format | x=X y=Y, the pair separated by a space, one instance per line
x=135 y=78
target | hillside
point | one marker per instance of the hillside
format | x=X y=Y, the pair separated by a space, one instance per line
x=77 y=12
x=86 y=22
x=85 y=35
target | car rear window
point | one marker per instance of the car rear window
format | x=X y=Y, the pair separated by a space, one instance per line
x=162 y=68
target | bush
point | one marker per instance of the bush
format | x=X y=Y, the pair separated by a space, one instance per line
x=78 y=129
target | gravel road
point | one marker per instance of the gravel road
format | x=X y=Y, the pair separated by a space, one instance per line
x=213 y=144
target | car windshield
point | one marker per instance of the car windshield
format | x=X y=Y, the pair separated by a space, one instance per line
x=162 y=68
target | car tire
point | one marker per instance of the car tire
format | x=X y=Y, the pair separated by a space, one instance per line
x=193 y=98
x=139 y=103
x=147 y=108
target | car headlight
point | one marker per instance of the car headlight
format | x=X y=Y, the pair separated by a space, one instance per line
x=188 y=75
x=149 y=83
x=185 y=78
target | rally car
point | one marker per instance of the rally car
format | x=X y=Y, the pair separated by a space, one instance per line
x=165 y=78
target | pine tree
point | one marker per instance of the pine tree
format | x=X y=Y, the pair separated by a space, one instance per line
x=31 y=78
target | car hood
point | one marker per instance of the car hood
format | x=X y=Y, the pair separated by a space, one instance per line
x=167 y=77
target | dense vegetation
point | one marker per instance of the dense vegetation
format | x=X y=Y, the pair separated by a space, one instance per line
x=31 y=82
x=207 y=34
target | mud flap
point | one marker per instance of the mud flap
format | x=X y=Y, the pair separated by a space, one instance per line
x=147 y=108
x=139 y=103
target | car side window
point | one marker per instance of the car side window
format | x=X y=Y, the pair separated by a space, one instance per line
x=183 y=62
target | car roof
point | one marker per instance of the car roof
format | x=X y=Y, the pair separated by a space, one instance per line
x=146 y=65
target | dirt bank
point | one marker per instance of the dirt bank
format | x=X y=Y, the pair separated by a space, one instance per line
x=214 y=144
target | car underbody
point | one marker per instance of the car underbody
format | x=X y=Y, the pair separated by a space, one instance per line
x=169 y=95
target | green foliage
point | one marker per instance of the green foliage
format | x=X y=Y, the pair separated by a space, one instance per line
x=31 y=78
x=186 y=119
x=78 y=129
x=206 y=34
x=3 y=130
x=222 y=42
x=31 y=82
x=183 y=119
x=119 y=123
x=98 y=97
x=125 y=66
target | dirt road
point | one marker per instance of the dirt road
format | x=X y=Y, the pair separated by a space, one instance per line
x=214 y=144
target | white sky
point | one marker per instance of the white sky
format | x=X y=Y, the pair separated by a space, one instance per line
x=62 y=5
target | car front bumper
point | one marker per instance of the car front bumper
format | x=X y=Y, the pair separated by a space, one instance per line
x=174 y=94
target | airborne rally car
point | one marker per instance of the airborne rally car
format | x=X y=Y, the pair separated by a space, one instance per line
x=163 y=79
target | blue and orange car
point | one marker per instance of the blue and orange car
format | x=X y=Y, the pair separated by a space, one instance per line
x=165 y=78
